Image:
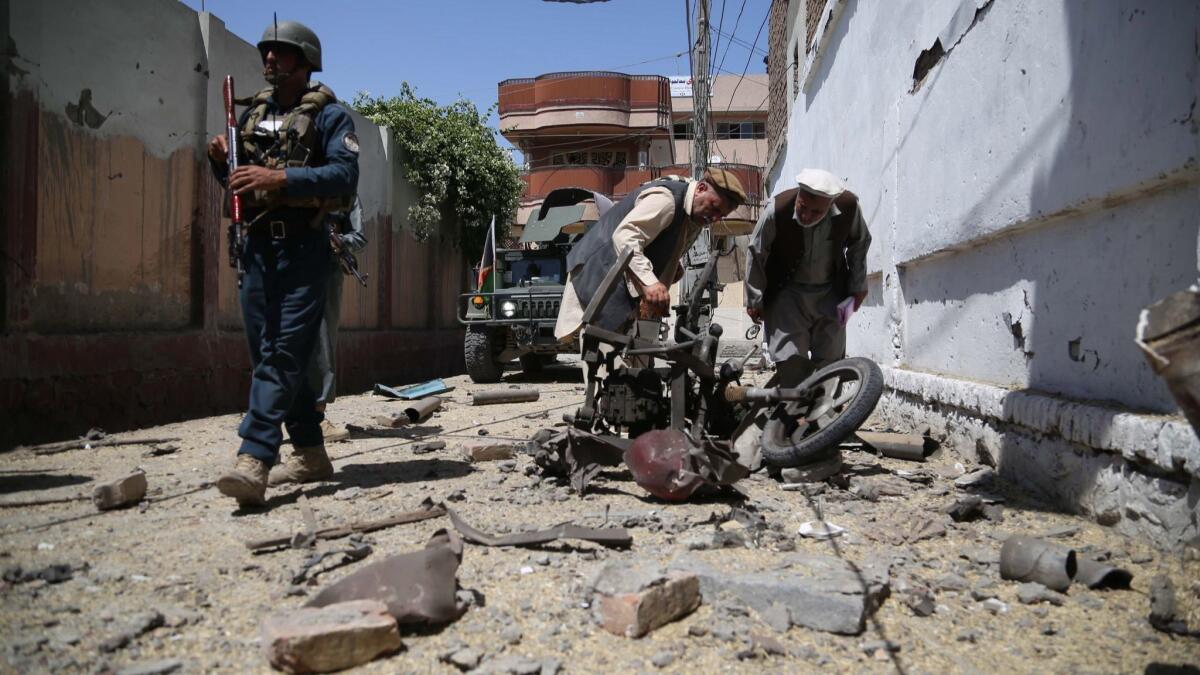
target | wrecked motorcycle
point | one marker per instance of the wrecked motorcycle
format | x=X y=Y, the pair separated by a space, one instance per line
x=673 y=425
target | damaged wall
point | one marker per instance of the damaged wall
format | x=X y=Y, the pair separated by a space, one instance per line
x=119 y=307
x=1029 y=172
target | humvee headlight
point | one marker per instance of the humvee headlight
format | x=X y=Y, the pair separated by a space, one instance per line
x=477 y=301
x=508 y=308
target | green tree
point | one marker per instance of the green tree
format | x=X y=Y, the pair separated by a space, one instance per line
x=452 y=160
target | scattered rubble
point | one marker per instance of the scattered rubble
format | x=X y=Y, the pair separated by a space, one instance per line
x=488 y=451
x=122 y=492
x=978 y=478
x=906 y=574
x=633 y=599
x=819 y=592
x=427 y=511
x=329 y=638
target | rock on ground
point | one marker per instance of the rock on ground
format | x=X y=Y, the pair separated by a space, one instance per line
x=334 y=637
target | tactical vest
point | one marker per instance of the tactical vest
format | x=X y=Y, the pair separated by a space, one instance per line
x=294 y=144
x=591 y=258
x=788 y=248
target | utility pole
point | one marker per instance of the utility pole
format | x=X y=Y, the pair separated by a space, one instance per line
x=697 y=256
x=700 y=89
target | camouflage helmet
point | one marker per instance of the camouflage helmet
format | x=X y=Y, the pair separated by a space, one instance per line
x=297 y=35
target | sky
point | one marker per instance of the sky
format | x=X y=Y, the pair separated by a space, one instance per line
x=450 y=49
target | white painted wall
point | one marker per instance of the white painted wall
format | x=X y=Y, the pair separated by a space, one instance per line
x=1045 y=174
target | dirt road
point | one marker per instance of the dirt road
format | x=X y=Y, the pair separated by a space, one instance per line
x=178 y=560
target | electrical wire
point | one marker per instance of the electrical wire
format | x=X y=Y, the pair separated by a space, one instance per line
x=747 y=66
x=744 y=43
x=730 y=37
x=716 y=46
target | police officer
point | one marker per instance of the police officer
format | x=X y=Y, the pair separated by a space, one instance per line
x=808 y=255
x=299 y=162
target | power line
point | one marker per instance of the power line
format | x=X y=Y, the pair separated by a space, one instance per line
x=712 y=64
x=747 y=66
x=735 y=27
x=743 y=75
x=745 y=44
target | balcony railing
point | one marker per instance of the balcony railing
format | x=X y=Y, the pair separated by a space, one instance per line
x=585 y=88
x=616 y=182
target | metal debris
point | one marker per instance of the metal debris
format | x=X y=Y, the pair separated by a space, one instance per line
x=616 y=537
x=1095 y=574
x=419 y=587
x=414 y=391
x=415 y=412
x=1029 y=559
x=425 y=513
x=96 y=439
x=357 y=550
x=505 y=396
x=897 y=446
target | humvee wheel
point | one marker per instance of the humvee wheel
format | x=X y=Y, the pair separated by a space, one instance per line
x=479 y=351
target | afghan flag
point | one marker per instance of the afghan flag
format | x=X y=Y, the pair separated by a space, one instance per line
x=488 y=262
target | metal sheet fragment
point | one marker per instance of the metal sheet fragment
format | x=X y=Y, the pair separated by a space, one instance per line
x=418 y=587
x=617 y=537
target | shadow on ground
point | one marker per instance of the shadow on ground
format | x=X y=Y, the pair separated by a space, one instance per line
x=38 y=481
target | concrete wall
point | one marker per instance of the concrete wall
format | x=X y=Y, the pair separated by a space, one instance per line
x=118 y=305
x=1028 y=194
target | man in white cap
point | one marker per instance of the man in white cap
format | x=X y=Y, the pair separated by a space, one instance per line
x=808 y=254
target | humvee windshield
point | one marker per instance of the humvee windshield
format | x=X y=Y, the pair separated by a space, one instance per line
x=534 y=272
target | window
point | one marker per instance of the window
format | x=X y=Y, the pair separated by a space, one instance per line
x=608 y=157
x=577 y=158
x=741 y=130
x=682 y=131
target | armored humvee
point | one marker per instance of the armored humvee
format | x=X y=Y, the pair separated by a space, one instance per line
x=515 y=317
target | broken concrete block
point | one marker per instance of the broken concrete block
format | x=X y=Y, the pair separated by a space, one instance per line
x=325 y=639
x=488 y=451
x=820 y=592
x=633 y=600
x=976 y=479
x=1032 y=593
x=965 y=509
x=122 y=492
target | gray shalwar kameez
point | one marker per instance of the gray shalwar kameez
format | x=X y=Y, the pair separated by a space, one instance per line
x=799 y=300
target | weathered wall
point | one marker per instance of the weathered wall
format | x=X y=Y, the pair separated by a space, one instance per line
x=119 y=307
x=1028 y=193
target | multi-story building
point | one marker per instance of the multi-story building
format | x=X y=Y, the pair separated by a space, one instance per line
x=603 y=131
x=611 y=132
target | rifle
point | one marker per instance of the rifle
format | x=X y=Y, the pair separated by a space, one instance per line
x=237 y=239
x=346 y=258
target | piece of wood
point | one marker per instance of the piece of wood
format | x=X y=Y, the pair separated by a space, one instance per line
x=81 y=443
x=346 y=530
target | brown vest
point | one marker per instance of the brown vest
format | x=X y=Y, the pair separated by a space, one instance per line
x=787 y=249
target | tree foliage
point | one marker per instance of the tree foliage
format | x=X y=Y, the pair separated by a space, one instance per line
x=452 y=161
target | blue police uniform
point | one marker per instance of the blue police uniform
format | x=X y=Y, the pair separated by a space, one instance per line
x=287 y=261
